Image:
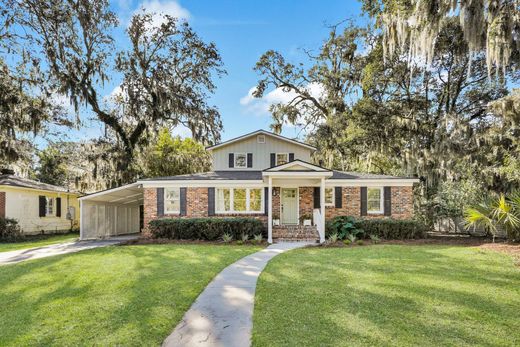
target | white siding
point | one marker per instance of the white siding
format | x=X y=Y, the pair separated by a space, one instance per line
x=23 y=205
x=261 y=152
x=102 y=219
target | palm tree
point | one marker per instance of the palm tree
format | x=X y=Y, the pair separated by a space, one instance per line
x=502 y=212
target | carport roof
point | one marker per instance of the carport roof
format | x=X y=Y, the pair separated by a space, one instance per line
x=126 y=194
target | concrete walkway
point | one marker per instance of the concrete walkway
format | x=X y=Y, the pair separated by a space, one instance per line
x=222 y=315
x=59 y=248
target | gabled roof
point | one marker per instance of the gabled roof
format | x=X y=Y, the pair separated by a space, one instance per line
x=259 y=132
x=287 y=166
x=211 y=175
x=16 y=181
x=348 y=175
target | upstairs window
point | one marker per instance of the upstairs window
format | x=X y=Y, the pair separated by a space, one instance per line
x=282 y=158
x=375 y=200
x=241 y=160
x=260 y=139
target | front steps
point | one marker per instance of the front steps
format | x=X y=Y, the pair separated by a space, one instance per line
x=291 y=233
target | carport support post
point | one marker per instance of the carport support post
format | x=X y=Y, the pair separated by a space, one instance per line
x=80 y=220
x=322 y=207
x=270 y=211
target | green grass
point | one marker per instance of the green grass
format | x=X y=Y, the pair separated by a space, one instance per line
x=37 y=241
x=125 y=296
x=388 y=295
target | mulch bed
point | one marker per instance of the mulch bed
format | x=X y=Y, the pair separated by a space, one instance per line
x=150 y=241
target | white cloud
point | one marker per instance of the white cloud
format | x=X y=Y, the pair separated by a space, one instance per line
x=260 y=106
x=161 y=8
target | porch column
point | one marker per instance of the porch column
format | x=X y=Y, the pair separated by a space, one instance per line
x=322 y=209
x=270 y=211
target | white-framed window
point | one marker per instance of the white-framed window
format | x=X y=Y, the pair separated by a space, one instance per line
x=260 y=139
x=240 y=160
x=239 y=200
x=282 y=158
x=172 y=200
x=223 y=199
x=49 y=208
x=329 y=197
x=375 y=200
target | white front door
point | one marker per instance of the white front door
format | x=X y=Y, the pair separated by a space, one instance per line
x=289 y=205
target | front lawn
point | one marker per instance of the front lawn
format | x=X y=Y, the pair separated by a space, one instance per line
x=388 y=295
x=111 y=296
x=38 y=241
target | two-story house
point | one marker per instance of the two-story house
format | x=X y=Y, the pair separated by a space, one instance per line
x=261 y=175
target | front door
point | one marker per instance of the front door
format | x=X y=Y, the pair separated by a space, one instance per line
x=289 y=205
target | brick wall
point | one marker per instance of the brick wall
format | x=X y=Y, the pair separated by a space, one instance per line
x=197 y=204
x=2 y=204
x=402 y=202
x=150 y=205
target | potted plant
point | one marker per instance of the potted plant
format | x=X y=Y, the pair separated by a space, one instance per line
x=306 y=219
x=276 y=219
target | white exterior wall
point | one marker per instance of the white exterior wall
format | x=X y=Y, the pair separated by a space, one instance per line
x=261 y=152
x=23 y=205
x=102 y=219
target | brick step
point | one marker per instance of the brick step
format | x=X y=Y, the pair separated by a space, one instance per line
x=296 y=240
x=295 y=233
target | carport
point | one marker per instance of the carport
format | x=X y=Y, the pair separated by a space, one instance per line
x=111 y=212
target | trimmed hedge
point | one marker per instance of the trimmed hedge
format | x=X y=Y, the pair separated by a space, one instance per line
x=209 y=229
x=10 y=230
x=385 y=228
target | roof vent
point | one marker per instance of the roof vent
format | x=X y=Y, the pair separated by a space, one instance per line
x=6 y=171
x=260 y=138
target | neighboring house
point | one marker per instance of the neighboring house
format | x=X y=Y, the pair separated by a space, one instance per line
x=38 y=207
x=260 y=175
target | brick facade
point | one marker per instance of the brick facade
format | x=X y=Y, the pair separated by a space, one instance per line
x=2 y=204
x=197 y=204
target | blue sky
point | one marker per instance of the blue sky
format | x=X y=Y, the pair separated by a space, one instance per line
x=242 y=31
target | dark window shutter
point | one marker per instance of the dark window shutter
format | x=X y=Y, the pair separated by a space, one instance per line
x=160 y=202
x=249 y=159
x=273 y=159
x=211 y=201
x=363 y=211
x=42 y=205
x=183 y=201
x=266 y=201
x=316 y=197
x=231 y=159
x=291 y=156
x=338 y=197
x=58 y=207
x=387 y=192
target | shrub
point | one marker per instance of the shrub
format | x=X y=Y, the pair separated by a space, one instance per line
x=382 y=228
x=210 y=229
x=345 y=225
x=393 y=229
x=10 y=230
x=333 y=238
x=244 y=237
x=227 y=237
x=360 y=242
x=347 y=242
x=375 y=238
x=257 y=238
x=352 y=238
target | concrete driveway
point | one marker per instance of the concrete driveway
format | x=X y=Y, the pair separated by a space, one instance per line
x=60 y=248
